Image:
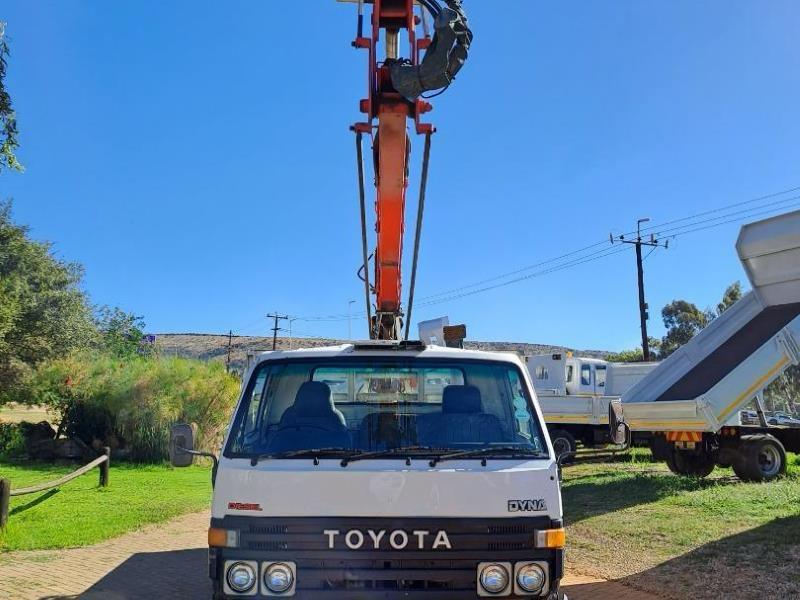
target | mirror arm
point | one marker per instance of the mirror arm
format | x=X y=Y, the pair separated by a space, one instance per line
x=213 y=458
x=564 y=456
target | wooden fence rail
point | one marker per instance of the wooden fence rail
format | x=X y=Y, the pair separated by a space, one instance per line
x=103 y=462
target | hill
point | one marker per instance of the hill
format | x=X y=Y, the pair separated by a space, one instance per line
x=215 y=347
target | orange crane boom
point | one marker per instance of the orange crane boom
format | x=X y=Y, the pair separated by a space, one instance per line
x=395 y=87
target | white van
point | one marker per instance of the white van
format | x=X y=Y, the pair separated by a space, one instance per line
x=385 y=471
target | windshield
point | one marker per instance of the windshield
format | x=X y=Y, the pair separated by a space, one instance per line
x=350 y=406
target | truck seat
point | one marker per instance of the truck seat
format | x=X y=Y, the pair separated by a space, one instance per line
x=462 y=420
x=311 y=422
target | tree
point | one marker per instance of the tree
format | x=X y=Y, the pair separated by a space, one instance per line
x=683 y=321
x=635 y=355
x=43 y=311
x=784 y=393
x=121 y=333
x=9 y=141
x=732 y=294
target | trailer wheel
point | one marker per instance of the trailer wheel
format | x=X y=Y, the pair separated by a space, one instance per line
x=563 y=443
x=760 y=458
x=690 y=464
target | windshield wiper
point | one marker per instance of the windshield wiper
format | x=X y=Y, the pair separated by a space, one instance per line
x=391 y=452
x=511 y=451
x=314 y=452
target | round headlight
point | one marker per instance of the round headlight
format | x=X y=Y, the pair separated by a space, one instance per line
x=494 y=578
x=241 y=577
x=278 y=578
x=531 y=578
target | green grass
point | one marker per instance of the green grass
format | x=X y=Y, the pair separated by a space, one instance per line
x=634 y=519
x=81 y=513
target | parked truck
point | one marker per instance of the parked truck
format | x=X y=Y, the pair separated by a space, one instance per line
x=695 y=396
x=574 y=393
x=385 y=470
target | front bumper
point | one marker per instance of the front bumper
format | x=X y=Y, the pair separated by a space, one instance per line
x=327 y=568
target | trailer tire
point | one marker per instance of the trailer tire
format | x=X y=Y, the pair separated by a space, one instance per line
x=760 y=458
x=690 y=464
x=563 y=443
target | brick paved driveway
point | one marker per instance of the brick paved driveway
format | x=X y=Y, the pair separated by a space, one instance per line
x=165 y=561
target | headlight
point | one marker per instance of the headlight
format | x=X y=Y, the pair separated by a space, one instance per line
x=494 y=578
x=241 y=577
x=531 y=578
x=278 y=578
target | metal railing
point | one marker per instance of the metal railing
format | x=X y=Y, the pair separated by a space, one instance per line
x=102 y=462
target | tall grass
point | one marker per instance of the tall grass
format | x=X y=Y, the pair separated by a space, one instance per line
x=129 y=404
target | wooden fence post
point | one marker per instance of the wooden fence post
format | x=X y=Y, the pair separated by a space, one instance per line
x=5 y=500
x=104 y=467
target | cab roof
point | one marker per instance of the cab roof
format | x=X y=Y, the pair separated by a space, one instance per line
x=372 y=348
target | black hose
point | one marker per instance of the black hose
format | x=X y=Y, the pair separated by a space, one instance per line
x=432 y=5
x=444 y=57
x=362 y=206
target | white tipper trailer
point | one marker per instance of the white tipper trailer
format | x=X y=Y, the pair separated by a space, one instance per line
x=574 y=393
x=385 y=470
x=695 y=395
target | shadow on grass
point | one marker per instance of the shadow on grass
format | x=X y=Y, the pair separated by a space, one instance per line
x=592 y=496
x=35 y=502
x=752 y=565
x=149 y=575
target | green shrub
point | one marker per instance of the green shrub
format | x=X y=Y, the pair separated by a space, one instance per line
x=12 y=441
x=129 y=404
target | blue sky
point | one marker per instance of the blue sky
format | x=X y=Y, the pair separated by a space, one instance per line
x=195 y=156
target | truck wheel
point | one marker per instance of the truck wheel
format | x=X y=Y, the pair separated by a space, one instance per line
x=563 y=442
x=690 y=464
x=760 y=458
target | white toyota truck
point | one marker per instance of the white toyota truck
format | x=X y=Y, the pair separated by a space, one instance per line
x=385 y=470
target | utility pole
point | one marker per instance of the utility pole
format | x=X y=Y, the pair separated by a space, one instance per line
x=275 y=328
x=228 y=360
x=349 y=325
x=291 y=337
x=643 y=307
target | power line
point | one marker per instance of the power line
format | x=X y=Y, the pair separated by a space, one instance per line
x=722 y=208
x=652 y=227
x=664 y=232
x=758 y=214
x=599 y=249
x=567 y=265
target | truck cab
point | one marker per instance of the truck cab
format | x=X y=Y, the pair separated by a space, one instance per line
x=387 y=471
x=574 y=393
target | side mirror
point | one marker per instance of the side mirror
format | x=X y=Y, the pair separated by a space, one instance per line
x=181 y=445
x=618 y=430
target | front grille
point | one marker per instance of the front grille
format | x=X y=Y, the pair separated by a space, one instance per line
x=509 y=529
x=268 y=546
x=366 y=572
x=268 y=530
x=494 y=546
